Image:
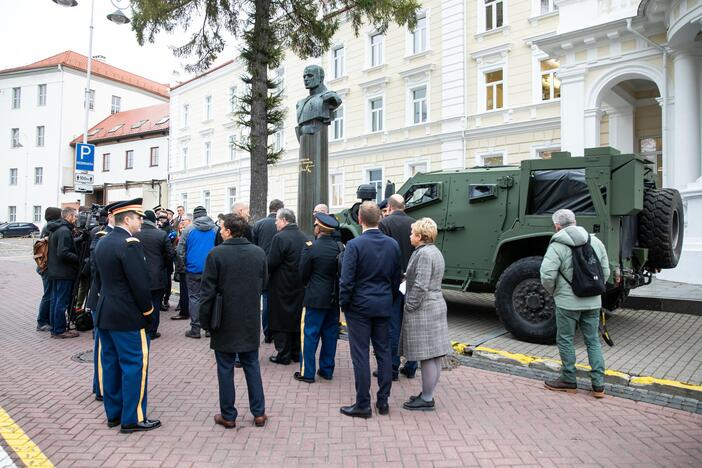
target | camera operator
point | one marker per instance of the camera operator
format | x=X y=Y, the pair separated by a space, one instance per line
x=164 y=223
x=63 y=265
x=83 y=238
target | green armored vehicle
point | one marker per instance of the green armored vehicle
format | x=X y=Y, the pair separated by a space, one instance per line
x=495 y=226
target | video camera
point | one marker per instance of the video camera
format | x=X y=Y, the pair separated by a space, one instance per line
x=95 y=216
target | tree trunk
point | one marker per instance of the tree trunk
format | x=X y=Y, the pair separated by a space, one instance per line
x=259 y=126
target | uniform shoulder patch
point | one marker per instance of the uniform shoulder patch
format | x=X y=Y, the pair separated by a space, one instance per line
x=309 y=243
x=101 y=233
x=132 y=239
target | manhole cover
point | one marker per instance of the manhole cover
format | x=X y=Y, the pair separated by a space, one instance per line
x=86 y=357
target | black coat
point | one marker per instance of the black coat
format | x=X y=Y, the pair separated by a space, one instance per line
x=285 y=289
x=91 y=301
x=398 y=225
x=263 y=232
x=238 y=270
x=123 y=281
x=63 y=262
x=318 y=272
x=159 y=252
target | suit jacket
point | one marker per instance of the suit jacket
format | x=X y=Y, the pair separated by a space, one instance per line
x=318 y=272
x=263 y=231
x=370 y=275
x=236 y=269
x=285 y=289
x=123 y=279
x=159 y=253
x=399 y=226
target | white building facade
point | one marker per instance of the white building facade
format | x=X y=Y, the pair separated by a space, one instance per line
x=41 y=113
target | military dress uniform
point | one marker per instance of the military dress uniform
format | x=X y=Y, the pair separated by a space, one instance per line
x=320 y=316
x=122 y=317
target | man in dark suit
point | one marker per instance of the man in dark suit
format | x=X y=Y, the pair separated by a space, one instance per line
x=159 y=253
x=370 y=278
x=122 y=316
x=285 y=287
x=263 y=231
x=399 y=226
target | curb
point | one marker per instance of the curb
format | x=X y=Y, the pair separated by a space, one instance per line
x=664 y=304
x=670 y=387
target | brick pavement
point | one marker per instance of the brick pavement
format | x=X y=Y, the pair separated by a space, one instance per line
x=482 y=419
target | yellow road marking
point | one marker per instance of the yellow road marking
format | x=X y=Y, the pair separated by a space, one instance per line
x=670 y=383
x=20 y=443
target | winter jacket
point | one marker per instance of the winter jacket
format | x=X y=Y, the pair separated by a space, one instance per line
x=559 y=257
x=63 y=256
x=158 y=251
x=195 y=243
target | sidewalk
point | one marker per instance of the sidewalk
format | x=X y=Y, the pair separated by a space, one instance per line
x=482 y=418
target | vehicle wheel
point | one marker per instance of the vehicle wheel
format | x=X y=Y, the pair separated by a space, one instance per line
x=661 y=226
x=523 y=305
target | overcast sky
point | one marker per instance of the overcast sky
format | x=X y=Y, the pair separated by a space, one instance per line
x=31 y=30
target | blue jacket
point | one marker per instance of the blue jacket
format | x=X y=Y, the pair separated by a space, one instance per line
x=370 y=275
x=196 y=242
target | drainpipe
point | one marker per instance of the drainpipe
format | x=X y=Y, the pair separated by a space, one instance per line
x=664 y=91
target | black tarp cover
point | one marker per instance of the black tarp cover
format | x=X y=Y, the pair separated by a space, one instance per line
x=552 y=190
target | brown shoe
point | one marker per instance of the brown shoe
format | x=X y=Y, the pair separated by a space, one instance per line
x=598 y=392
x=227 y=423
x=558 y=385
x=260 y=421
x=67 y=334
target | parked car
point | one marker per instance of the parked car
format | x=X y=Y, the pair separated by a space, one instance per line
x=17 y=229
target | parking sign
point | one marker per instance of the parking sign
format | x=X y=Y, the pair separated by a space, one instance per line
x=85 y=157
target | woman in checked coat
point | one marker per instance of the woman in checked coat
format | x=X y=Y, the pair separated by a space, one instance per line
x=424 y=327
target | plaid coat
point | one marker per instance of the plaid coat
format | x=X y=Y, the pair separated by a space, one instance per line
x=424 y=326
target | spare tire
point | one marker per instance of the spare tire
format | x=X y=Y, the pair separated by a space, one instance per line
x=661 y=227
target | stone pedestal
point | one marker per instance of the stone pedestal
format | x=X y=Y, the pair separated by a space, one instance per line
x=313 y=179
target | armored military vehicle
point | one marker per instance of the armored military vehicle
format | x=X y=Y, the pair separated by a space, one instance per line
x=495 y=226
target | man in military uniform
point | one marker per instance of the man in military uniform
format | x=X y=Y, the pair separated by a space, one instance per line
x=122 y=318
x=320 y=316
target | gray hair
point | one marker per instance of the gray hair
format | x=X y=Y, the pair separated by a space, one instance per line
x=563 y=217
x=321 y=208
x=68 y=211
x=286 y=214
x=238 y=206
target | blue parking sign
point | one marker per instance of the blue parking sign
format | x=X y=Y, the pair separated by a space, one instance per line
x=85 y=157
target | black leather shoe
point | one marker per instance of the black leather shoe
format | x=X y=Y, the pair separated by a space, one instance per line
x=355 y=412
x=155 y=336
x=145 y=425
x=407 y=373
x=383 y=409
x=418 y=404
x=302 y=378
x=98 y=397
x=325 y=377
x=277 y=360
x=113 y=423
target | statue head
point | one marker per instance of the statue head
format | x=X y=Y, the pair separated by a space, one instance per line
x=313 y=76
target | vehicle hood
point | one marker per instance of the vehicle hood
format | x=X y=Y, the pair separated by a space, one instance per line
x=572 y=236
x=204 y=223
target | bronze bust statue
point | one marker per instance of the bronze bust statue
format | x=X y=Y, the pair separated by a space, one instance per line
x=316 y=109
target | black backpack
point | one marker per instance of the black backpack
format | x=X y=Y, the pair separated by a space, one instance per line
x=588 y=277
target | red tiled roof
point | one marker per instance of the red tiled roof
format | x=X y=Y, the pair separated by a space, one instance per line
x=203 y=74
x=77 y=61
x=123 y=122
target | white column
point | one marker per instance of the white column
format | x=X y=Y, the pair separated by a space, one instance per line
x=593 y=117
x=573 y=112
x=621 y=129
x=686 y=132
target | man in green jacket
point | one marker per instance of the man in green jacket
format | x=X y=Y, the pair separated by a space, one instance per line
x=572 y=310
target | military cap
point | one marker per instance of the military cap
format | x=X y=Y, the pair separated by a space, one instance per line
x=326 y=221
x=150 y=215
x=126 y=206
x=162 y=215
x=383 y=204
x=170 y=211
x=157 y=208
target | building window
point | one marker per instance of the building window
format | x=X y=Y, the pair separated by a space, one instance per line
x=184 y=156
x=38 y=175
x=231 y=198
x=207 y=153
x=116 y=104
x=491 y=160
x=91 y=100
x=12 y=214
x=232 y=147
x=153 y=156
x=106 y=162
x=415 y=168
x=13 y=176
x=129 y=159
x=41 y=95
x=493 y=90
x=494 y=14
x=338 y=123
x=184 y=115
x=419 y=35
x=279 y=80
x=279 y=139
x=232 y=99
x=37 y=213
x=376 y=49
x=376 y=113
x=16 y=98
x=375 y=178
x=184 y=201
x=547 y=6
x=419 y=105
x=206 y=200
x=338 y=62
x=336 y=190
x=14 y=138
x=40 y=135
x=550 y=84
x=208 y=108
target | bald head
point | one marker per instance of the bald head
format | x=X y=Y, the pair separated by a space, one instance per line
x=396 y=202
x=241 y=209
x=321 y=208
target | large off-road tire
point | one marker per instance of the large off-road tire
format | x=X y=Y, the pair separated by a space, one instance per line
x=523 y=305
x=661 y=226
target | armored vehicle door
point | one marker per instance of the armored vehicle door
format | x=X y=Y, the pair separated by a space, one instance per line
x=427 y=196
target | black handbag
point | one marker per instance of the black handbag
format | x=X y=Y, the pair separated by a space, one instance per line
x=216 y=319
